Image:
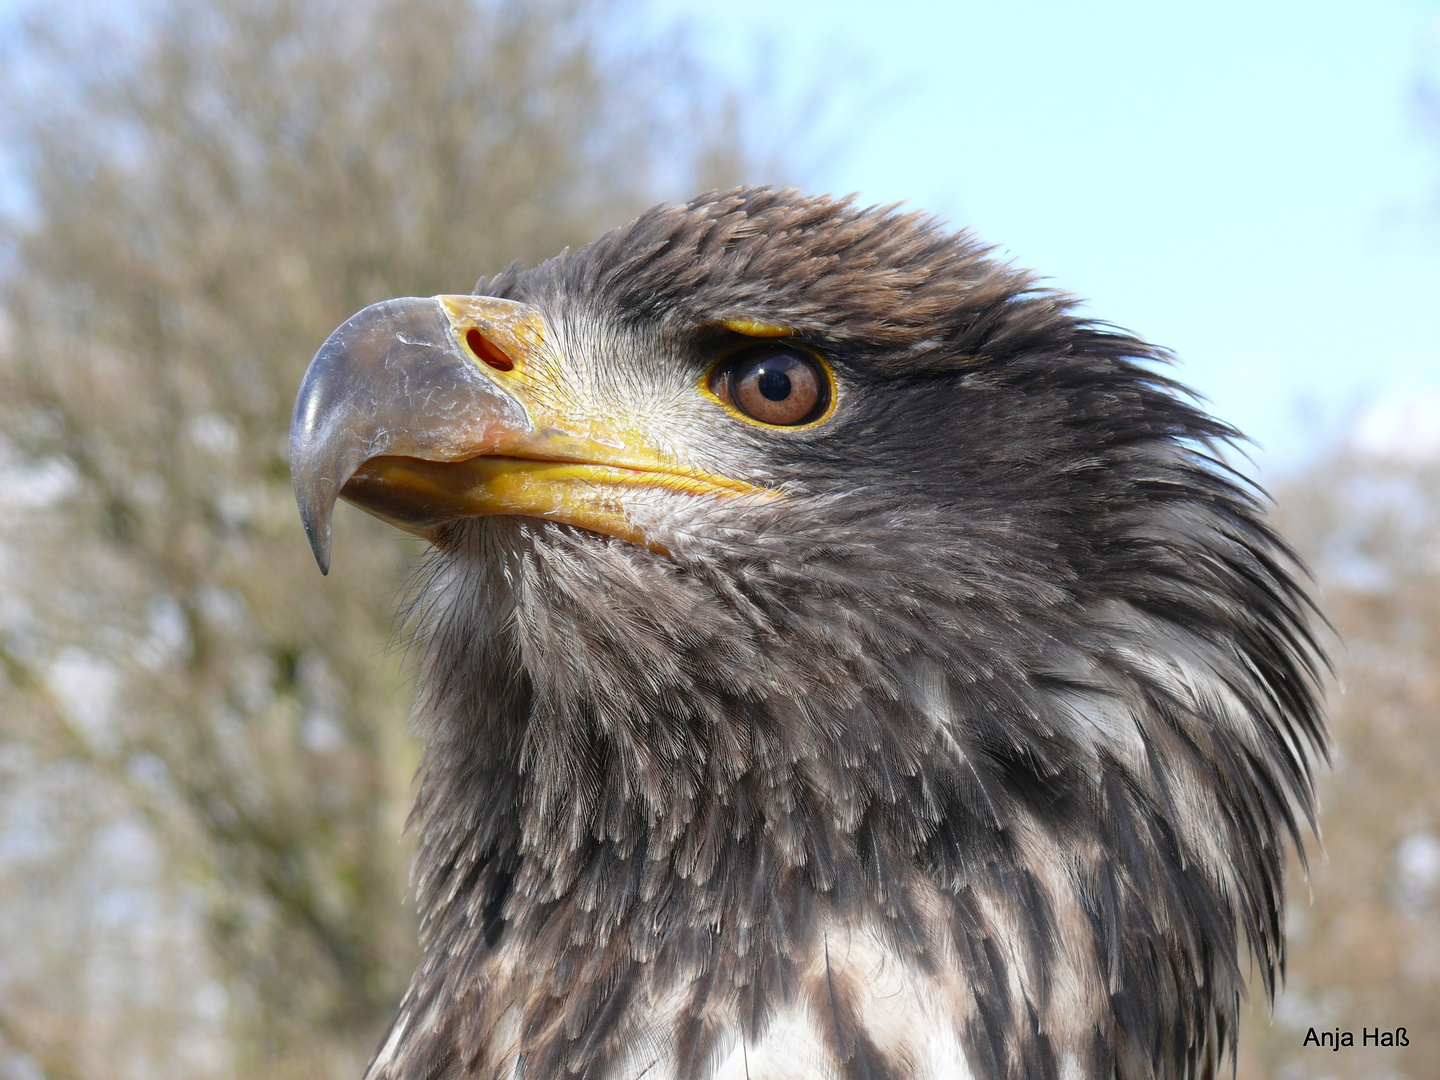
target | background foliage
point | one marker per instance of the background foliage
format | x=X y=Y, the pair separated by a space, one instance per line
x=204 y=762
x=1365 y=933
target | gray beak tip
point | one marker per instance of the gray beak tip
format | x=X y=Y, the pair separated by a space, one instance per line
x=319 y=543
x=315 y=492
x=317 y=510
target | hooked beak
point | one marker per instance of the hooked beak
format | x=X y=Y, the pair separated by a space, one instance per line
x=424 y=410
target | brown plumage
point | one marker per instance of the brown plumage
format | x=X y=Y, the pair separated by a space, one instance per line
x=950 y=728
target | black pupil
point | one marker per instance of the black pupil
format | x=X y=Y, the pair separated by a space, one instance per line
x=774 y=384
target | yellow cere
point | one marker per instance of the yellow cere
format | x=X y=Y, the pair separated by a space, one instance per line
x=515 y=329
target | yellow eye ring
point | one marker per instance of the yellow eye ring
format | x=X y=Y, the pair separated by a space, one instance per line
x=773 y=384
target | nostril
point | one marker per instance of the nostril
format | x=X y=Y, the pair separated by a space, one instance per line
x=486 y=350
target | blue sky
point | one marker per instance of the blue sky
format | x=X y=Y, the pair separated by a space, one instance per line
x=1245 y=183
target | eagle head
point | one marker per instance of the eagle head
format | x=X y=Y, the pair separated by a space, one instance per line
x=838 y=658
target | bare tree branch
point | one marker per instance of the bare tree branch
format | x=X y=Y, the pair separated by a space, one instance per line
x=210 y=189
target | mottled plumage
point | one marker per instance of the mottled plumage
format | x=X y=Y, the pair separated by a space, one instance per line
x=972 y=752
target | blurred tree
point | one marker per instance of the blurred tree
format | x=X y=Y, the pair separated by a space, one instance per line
x=1365 y=937
x=203 y=755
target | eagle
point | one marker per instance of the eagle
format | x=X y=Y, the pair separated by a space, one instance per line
x=837 y=658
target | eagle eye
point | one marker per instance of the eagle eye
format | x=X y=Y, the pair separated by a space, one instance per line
x=773 y=384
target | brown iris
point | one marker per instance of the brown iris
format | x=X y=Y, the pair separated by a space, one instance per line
x=774 y=384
